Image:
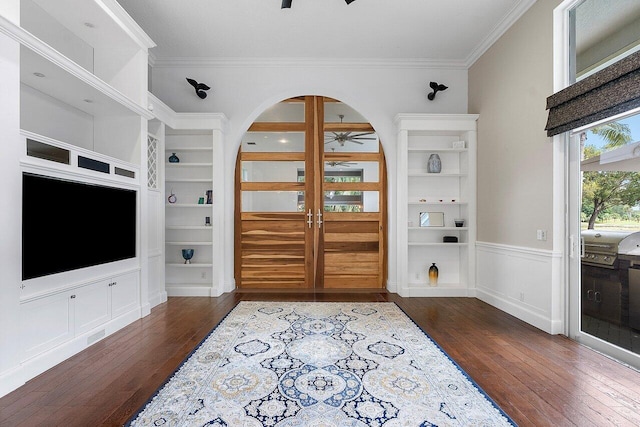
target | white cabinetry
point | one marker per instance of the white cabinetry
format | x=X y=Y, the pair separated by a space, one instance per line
x=50 y=319
x=79 y=69
x=450 y=194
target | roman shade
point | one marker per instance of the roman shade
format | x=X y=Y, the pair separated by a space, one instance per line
x=608 y=92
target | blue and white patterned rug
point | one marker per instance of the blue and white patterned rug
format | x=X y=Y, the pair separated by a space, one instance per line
x=319 y=364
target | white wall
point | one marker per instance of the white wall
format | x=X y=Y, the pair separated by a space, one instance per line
x=377 y=91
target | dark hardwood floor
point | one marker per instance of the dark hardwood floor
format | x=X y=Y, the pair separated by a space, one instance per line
x=536 y=378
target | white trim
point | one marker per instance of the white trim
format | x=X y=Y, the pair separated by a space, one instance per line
x=126 y=23
x=514 y=14
x=157 y=298
x=411 y=290
x=524 y=282
x=230 y=62
x=193 y=121
x=190 y=291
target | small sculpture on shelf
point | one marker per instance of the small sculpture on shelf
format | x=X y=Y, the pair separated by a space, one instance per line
x=433 y=275
x=187 y=254
x=207 y=221
x=173 y=158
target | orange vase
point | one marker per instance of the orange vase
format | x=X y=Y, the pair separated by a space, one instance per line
x=433 y=275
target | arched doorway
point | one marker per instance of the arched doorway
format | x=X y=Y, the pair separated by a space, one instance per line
x=310 y=199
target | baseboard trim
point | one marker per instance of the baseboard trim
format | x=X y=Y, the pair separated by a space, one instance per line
x=188 y=291
x=435 y=291
x=158 y=298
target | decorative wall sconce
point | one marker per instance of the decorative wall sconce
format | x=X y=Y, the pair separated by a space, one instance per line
x=436 y=88
x=199 y=88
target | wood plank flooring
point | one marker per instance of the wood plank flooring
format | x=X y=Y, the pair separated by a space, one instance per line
x=536 y=378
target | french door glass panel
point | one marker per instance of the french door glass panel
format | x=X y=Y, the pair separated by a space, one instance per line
x=273 y=142
x=272 y=171
x=366 y=171
x=271 y=201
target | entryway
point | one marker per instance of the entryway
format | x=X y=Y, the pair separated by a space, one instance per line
x=310 y=202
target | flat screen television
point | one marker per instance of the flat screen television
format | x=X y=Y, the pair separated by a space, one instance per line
x=68 y=225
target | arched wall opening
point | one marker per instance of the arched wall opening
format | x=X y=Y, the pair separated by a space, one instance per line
x=301 y=158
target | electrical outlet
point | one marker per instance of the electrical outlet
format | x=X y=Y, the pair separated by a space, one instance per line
x=203 y=275
x=541 y=235
x=522 y=296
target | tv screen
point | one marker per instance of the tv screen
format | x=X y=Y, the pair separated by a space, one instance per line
x=68 y=225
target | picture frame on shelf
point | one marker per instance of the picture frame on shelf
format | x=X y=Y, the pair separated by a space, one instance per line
x=431 y=219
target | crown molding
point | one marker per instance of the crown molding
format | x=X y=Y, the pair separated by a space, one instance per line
x=194 y=121
x=126 y=22
x=186 y=62
x=514 y=14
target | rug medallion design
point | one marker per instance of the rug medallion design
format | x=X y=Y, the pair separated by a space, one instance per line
x=319 y=364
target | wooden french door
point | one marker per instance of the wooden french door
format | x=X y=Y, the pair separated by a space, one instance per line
x=310 y=200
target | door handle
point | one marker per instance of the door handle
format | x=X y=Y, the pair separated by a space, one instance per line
x=590 y=295
x=309 y=219
x=319 y=218
x=597 y=297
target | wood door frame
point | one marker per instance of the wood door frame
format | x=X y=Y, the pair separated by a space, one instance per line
x=314 y=157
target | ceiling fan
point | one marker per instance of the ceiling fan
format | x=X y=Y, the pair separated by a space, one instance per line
x=342 y=137
x=345 y=164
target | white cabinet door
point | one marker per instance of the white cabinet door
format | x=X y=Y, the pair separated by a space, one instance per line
x=45 y=323
x=124 y=294
x=92 y=306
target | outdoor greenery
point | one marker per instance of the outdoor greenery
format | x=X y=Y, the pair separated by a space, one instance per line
x=610 y=198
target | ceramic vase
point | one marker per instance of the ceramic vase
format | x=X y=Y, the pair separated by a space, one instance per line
x=173 y=158
x=433 y=275
x=187 y=254
x=434 y=165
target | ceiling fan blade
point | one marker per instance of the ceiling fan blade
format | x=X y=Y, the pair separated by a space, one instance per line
x=363 y=139
x=362 y=134
x=357 y=142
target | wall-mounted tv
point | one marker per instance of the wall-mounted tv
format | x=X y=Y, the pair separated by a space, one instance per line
x=68 y=225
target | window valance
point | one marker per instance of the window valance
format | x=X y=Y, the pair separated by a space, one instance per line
x=608 y=92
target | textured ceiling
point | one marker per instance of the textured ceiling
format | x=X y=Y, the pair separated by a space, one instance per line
x=446 y=31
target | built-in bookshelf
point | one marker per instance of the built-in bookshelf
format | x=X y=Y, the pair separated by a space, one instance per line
x=448 y=195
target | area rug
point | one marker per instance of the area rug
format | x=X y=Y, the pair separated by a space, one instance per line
x=319 y=364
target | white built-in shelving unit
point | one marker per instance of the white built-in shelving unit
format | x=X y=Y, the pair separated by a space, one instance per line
x=197 y=141
x=452 y=192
